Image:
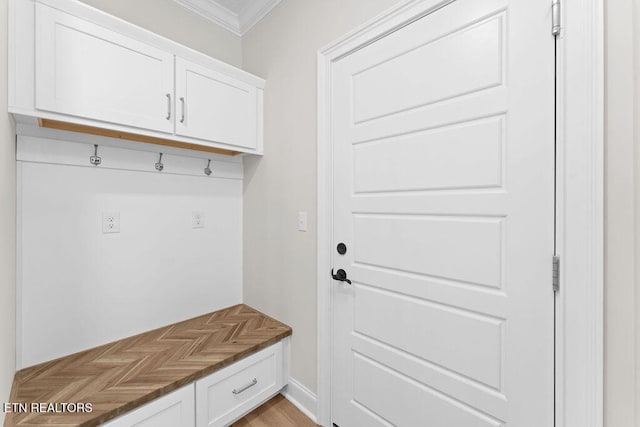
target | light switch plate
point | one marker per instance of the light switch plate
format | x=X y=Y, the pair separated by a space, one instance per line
x=302 y=221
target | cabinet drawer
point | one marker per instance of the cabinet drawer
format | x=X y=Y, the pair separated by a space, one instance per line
x=229 y=393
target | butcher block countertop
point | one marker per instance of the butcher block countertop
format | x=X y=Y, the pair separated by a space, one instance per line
x=123 y=375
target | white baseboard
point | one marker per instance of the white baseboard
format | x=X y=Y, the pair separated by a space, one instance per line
x=302 y=398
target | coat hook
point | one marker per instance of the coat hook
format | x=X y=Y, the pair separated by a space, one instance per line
x=159 y=165
x=207 y=170
x=95 y=159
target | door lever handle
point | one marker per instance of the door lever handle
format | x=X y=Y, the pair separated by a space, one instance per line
x=340 y=276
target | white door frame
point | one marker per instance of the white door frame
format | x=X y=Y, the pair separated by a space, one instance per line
x=580 y=206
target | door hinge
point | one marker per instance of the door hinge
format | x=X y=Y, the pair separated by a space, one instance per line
x=556 y=274
x=555 y=18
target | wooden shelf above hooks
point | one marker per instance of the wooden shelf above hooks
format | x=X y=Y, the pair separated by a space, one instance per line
x=91 y=130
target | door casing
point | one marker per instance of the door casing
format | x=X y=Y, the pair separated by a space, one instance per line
x=579 y=202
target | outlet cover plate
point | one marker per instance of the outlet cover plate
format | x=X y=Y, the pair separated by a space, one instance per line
x=110 y=222
x=197 y=219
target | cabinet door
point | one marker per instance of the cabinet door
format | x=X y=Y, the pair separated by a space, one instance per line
x=214 y=107
x=85 y=70
x=176 y=409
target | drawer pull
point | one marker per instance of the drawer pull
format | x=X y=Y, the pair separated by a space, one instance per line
x=237 y=391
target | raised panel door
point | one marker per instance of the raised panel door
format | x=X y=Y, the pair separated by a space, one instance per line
x=443 y=192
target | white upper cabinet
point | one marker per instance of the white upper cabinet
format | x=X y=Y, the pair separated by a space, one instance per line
x=85 y=70
x=74 y=67
x=214 y=106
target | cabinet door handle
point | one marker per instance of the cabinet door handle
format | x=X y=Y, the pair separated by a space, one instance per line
x=182 y=102
x=168 y=106
x=237 y=391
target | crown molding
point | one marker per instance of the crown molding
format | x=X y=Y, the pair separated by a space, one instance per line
x=237 y=23
x=254 y=12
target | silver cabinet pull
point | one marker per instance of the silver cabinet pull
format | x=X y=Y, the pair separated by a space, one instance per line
x=182 y=102
x=237 y=391
x=168 y=106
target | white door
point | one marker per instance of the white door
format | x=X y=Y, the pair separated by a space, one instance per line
x=443 y=148
x=214 y=106
x=85 y=70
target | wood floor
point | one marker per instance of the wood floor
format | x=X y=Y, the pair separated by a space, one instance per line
x=277 y=412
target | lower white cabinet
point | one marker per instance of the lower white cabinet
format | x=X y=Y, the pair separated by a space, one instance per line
x=218 y=399
x=175 y=409
x=228 y=394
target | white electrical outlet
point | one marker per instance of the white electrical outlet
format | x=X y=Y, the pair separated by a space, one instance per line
x=302 y=221
x=197 y=219
x=110 y=222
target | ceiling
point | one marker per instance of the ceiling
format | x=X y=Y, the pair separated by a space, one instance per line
x=237 y=16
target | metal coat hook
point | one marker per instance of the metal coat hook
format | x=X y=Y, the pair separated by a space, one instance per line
x=159 y=165
x=95 y=159
x=207 y=170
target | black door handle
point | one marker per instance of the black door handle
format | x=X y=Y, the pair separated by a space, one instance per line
x=340 y=275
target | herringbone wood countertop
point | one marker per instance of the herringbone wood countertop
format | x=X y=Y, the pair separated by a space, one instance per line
x=125 y=374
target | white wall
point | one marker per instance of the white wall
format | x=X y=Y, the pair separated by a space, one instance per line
x=167 y=18
x=279 y=261
x=79 y=288
x=7 y=225
x=622 y=214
